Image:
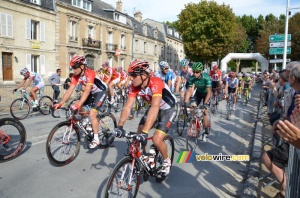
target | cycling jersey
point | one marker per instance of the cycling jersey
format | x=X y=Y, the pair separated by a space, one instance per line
x=232 y=83
x=215 y=76
x=247 y=80
x=105 y=74
x=36 y=78
x=225 y=76
x=124 y=75
x=90 y=77
x=240 y=80
x=200 y=83
x=186 y=74
x=164 y=77
x=155 y=87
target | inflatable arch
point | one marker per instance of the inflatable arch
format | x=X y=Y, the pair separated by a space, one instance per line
x=245 y=56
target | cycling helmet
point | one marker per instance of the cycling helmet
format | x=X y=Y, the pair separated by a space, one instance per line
x=215 y=67
x=239 y=74
x=247 y=75
x=163 y=64
x=197 y=66
x=106 y=63
x=76 y=61
x=137 y=67
x=120 y=69
x=184 y=62
x=23 y=71
x=232 y=74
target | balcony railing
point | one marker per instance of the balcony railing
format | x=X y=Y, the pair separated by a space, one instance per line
x=88 y=42
x=111 y=47
x=73 y=38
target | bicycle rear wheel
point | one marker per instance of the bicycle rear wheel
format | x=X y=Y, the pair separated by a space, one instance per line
x=45 y=104
x=63 y=145
x=19 y=109
x=192 y=135
x=12 y=138
x=119 y=184
x=181 y=122
x=159 y=158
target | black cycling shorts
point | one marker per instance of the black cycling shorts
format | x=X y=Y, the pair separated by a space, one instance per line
x=165 y=118
x=198 y=97
x=215 y=84
x=96 y=100
x=231 y=90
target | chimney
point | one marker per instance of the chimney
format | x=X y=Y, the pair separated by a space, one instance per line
x=119 y=6
x=138 y=16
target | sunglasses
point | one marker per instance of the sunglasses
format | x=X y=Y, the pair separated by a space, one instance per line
x=133 y=75
x=196 y=72
x=166 y=68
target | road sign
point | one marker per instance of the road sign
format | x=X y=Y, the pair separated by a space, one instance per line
x=278 y=37
x=273 y=51
x=279 y=60
x=280 y=44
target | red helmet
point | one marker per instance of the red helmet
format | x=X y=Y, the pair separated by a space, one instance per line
x=232 y=74
x=215 y=67
x=76 y=61
x=138 y=66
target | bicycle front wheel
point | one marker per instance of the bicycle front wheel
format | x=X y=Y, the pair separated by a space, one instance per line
x=159 y=158
x=192 y=135
x=12 y=138
x=181 y=122
x=107 y=124
x=124 y=180
x=45 y=103
x=63 y=144
x=19 y=109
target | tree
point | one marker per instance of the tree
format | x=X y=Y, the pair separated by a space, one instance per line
x=208 y=30
x=173 y=24
x=294 y=30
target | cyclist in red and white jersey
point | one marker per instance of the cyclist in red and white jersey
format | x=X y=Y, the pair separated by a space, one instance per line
x=216 y=80
x=124 y=80
x=112 y=78
x=162 y=105
x=94 y=93
x=38 y=84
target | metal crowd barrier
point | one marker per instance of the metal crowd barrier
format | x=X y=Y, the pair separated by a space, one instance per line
x=293 y=174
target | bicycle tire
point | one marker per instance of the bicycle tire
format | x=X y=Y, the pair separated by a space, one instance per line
x=58 y=148
x=181 y=122
x=116 y=174
x=17 y=133
x=190 y=140
x=159 y=158
x=45 y=104
x=16 y=108
x=107 y=124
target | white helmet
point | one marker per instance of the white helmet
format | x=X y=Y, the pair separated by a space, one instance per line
x=240 y=75
x=23 y=71
x=247 y=74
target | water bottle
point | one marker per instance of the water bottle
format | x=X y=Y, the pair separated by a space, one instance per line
x=152 y=154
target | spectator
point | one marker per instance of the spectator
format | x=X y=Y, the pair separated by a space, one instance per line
x=277 y=159
x=54 y=80
x=68 y=82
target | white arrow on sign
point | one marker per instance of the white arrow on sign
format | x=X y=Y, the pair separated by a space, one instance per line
x=279 y=60
x=280 y=44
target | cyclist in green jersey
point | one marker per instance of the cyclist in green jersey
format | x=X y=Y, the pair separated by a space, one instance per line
x=202 y=83
x=247 y=83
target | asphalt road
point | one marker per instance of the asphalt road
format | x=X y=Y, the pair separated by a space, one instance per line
x=31 y=175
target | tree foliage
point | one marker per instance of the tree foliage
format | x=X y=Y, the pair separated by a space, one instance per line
x=209 y=31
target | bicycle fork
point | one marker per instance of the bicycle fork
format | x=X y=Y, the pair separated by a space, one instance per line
x=120 y=183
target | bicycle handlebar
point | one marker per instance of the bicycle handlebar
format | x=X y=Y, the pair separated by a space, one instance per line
x=53 y=110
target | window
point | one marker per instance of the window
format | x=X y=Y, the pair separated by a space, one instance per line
x=122 y=63
x=155 y=49
x=73 y=31
x=136 y=45
x=6 y=25
x=169 y=31
x=155 y=34
x=83 y=4
x=117 y=17
x=35 y=30
x=110 y=38
x=123 y=40
x=36 y=63
x=35 y=1
x=91 y=31
x=145 y=47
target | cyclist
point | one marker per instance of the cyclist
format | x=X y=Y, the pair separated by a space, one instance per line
x=158 y=94
x=38 y=84
x=183 y=77
x=124 y=80
x=231 y=87
x=216 y=80
x=94 y=93
x=247 y=84
x=240 y=88
x=111 y=78
x=165 y=74
x=202 y=83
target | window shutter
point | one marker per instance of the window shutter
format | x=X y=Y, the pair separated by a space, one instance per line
x=42 y=31
x=28 y=61
x=43 y=67
x=3 y=24
x=28 y=29
x=10 y=25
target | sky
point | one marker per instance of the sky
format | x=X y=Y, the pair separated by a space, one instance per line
x=167 y=10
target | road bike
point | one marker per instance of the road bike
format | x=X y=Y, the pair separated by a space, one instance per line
x=63 y=142
x=20 y=107
x=214 y=100
x=229 y=106
x=246 y=91
x=196 y=128
x=124 y=180
x=12 y=138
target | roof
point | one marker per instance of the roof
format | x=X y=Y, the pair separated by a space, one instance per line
x=44 y=4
